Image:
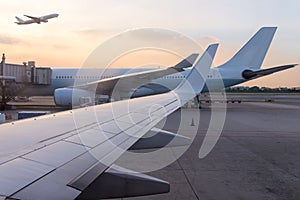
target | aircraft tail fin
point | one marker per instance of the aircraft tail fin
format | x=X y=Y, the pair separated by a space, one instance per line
x=19 y=19
x=252 y=54
x=187 y=62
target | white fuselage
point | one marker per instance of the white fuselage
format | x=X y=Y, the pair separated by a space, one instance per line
x=66 y=77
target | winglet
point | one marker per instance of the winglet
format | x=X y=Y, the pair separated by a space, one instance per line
x=187 y=62
x=195 y=80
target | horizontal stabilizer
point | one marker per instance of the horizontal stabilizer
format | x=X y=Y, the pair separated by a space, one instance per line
x=249 y=74
x=116 y=184
x=188 y=62
x=157 y=138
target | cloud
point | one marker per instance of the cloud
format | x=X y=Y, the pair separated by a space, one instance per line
x=61 y=46
x=9 y=40
x=206 y=40
x=93 y=32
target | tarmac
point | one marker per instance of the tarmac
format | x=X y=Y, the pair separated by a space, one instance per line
x=256 y=156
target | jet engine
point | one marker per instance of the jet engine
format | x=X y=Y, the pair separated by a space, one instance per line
x=149 y=89
x=68 y=97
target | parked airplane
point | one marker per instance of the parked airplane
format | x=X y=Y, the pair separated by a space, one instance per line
x=37 y=20
x=74 y=158
x=245 y=65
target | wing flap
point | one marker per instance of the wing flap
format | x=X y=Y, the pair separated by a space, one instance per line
x=19 y=173
x=57 y=154
x=157 y=138
x=54 y=185
x=115 y=184
x=91 y=138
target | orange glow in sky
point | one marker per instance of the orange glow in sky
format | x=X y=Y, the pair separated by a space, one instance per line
x=67 y=41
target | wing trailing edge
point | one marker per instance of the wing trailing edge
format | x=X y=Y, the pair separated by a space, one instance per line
x=157 y=138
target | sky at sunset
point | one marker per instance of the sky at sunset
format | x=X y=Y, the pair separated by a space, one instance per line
x=68 y=40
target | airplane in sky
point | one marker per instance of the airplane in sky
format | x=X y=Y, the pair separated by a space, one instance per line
x=244 y=66
x=75 y=158
x=37 y=20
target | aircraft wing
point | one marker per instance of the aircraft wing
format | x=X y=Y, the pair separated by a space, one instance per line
x=249 y=74
x=31 y=17
x=67 y=155
x=126 y=83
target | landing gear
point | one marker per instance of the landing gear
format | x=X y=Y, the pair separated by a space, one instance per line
x=3 y=104
x=198 y=101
